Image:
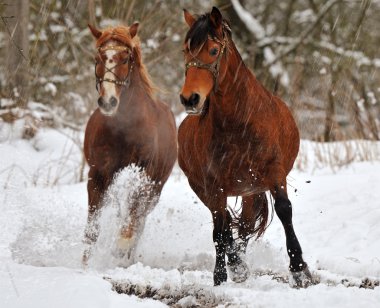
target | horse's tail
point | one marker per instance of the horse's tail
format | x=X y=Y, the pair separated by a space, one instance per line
x=260 y=223
x=262 y=210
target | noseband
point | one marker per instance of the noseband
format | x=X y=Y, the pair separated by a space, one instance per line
x=119 y=82
x=213 y=67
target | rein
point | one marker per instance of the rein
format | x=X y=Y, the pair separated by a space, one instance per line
x=213 y=67
x=119 y=82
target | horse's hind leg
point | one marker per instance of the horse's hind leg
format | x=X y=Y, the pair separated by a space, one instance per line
x=298 y=267
x=238 y=269
x=254 y=208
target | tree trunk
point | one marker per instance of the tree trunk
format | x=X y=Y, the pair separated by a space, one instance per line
x=16 y=21
x=92 y=12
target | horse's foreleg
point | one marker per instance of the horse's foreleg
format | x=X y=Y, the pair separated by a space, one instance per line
x=143 y=203
x=216 y=202
x=95 y=189
x=298 y=267
x=220 y=225
x=130 y=229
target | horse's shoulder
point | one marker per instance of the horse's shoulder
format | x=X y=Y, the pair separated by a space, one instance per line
x=89 y=133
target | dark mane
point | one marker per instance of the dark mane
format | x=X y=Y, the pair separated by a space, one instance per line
x=202 y=29
x=199 y=32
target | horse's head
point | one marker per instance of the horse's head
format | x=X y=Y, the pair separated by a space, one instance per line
x=113 y=64
x=204 y=48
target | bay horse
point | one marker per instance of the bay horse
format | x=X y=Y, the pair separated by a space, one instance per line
x=237 y=140
x=129 y=127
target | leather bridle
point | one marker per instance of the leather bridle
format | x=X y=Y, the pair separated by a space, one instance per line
x=119 y=82
x=213 y=67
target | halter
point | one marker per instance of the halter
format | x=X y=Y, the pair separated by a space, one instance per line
x=213 y=67
x=124 y=82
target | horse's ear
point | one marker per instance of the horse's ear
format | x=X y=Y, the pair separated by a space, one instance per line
x=95 y=32
x=216 y=17
x=133 y=29
x=190 y=20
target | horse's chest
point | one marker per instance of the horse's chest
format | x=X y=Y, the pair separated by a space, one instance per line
x=120 y=148
x=229 y=155
x=236 y=164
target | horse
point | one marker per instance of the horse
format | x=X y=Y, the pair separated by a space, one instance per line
x=237 y=139
x=129 y=127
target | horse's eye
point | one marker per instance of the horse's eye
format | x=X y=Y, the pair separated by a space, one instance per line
x=214 y=51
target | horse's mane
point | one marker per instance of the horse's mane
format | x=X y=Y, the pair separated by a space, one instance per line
x=204 y=28
x=122 y=35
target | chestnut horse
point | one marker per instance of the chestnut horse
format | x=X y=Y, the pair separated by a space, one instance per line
x=237 y=140
x=128 y=127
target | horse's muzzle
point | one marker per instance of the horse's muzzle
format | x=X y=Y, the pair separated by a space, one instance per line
x=108 y=107
x=191 y=103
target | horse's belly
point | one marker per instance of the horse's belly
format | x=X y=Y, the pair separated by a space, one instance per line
x=243 y=187
x=238 y=180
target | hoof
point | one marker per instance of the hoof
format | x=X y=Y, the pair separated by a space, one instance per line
x=238 y=272
x=302 y=279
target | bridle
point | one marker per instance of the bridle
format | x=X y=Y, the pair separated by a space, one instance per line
x=120 y=82
x=213 y=67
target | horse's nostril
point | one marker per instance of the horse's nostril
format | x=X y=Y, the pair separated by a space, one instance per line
x=100 y=101
x=194 y=99
x=113 y=101
x=183 y=99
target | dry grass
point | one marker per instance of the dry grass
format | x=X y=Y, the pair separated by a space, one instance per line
x=335 y=155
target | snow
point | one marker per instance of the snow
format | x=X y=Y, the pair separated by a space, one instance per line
x=50 y=87
x=336 y=217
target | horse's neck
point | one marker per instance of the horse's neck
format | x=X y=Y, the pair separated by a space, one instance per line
x=230 y=104
x=240 y=96
x=135 y=102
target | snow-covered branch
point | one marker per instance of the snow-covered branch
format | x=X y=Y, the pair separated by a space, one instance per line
x=358 y=56
x=254 y=26
x=326 y=7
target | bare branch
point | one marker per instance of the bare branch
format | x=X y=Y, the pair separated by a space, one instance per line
x=10 y=34
x=305 y=33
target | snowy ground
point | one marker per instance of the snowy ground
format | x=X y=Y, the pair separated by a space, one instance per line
x=42 y=218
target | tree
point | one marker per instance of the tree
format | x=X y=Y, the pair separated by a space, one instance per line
x=15 y=21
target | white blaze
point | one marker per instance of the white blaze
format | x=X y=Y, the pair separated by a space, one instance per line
x=109 y=87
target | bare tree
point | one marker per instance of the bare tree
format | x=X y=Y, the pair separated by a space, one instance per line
x=15 y=21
